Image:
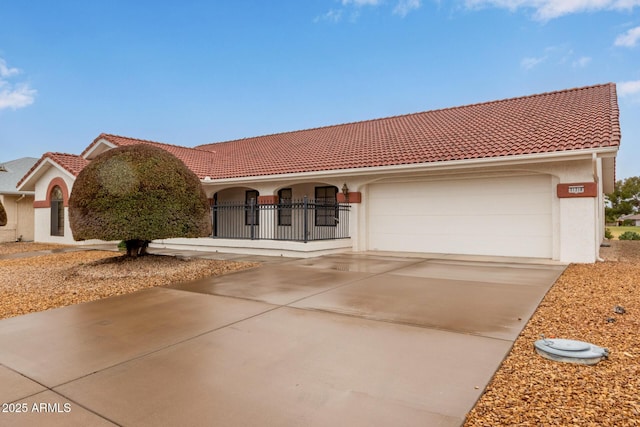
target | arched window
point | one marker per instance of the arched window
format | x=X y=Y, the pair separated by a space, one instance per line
x=57 y=212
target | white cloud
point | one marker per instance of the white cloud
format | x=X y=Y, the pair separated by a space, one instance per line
x=333 y=15
x=581 y=62
x=5 y=71
x=13 y=96
x=628 y=88
x=559 y=56
x=530 y=62
x=405 y=6
x=18 y=96
x=361 y=2
x=351 y=9
x=628 y=39
x=545 y=10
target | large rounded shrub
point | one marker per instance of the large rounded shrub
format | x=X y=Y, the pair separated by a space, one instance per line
x=3 y=215
x=137 y=194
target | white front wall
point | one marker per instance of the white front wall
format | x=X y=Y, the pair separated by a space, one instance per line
x=502 y=216
x=42 y=227
x=512 y=211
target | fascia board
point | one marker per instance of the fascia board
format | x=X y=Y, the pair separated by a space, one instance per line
x=98 y=146
x=18 y=193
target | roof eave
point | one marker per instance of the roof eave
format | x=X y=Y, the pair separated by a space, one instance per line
x=28 y=183
x=97 y=147
x=18 y=193
x=584 y=154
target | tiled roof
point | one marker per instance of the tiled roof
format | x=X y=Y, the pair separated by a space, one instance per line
x=70 y=162
x=567 y=120
x=198 y=160
x=572 y=119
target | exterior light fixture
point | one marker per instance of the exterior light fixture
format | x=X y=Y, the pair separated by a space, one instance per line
x=345 y=189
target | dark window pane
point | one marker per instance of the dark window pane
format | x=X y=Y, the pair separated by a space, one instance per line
x=251 y=198
x=57 y=212
x=326 y=206
x=284 y=206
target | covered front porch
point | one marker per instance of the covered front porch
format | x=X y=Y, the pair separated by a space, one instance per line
x=301 y=220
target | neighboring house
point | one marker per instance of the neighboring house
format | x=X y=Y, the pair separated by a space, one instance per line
x=635 y=218
x=18 y=204
x=522 y=177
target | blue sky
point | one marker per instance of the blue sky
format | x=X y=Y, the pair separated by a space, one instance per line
x=194 y=72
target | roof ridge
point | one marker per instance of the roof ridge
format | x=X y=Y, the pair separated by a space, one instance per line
x=497 y=101
x=60 y=153
x=102 y=135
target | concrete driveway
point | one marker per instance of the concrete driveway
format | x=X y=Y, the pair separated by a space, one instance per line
x=352 y=339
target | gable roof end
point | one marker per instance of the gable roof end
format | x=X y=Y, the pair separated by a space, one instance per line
x=72 y=163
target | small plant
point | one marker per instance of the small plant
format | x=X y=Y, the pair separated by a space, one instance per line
x=629 y=235
x=608 y=234
x=122 y=246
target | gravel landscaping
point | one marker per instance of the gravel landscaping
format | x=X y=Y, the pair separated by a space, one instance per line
x=57 y=279
x=529 y=390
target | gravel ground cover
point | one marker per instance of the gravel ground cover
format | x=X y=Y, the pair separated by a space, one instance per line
x=19 y=247
x=58 y=279
x=529 y=390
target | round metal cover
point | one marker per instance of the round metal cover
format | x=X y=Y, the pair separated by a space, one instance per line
x=567 y=345
x=571 y=351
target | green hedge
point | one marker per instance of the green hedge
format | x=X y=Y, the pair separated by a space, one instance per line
x=138 y=192
x=629 y=235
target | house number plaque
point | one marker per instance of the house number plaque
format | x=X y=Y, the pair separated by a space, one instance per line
x=578 y=189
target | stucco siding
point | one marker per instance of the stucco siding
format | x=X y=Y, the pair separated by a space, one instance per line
x=20 y=220
x=42 y=215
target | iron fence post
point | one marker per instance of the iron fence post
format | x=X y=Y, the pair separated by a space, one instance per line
x=252 y=220
x=305 y=220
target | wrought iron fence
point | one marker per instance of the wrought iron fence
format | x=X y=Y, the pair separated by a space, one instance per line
x=296 y=220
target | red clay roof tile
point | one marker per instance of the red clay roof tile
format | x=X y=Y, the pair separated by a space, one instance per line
x=572 y=119
x=72 y=163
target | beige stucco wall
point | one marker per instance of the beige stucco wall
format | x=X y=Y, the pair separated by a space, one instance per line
x=20 y=218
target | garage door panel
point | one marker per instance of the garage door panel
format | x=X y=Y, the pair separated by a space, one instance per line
x=524 y=224
x=428 y=204
x=458 y=244
x=508 y=216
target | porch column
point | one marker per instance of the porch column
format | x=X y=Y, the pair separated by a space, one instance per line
x=268 y=206
x=349 y=218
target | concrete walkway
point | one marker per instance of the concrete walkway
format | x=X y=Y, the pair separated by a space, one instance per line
x=350 y=339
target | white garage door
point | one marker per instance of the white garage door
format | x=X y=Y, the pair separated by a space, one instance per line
x=506 y=216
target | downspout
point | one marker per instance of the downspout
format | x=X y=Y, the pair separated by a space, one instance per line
x=596 y=179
